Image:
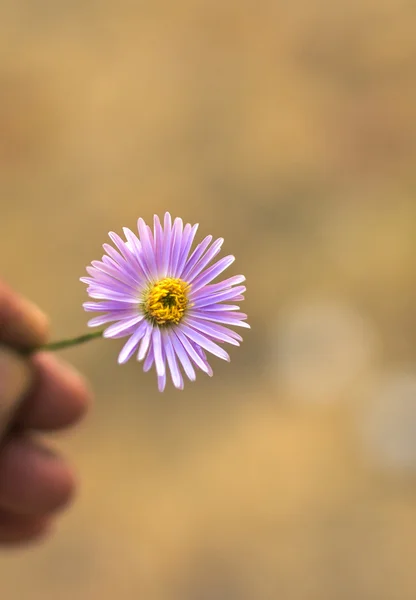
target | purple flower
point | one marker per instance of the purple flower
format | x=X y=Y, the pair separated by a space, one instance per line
x=158 y=292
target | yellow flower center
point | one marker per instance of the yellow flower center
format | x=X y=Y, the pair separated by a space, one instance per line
x=165 y=302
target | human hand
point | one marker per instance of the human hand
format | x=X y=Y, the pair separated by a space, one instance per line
x=37 y=394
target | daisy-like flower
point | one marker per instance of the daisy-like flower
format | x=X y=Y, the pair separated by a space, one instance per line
x=158 y=292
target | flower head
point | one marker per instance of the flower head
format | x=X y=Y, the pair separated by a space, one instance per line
x=158 y=292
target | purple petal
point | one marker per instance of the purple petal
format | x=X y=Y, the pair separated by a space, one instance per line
x=112 y=252
x=235 y=319
x=203 y=356
x=112 y=269
x=124 y=268
x=133 y=243
x=221 y=307
x=112 y=305
x=204 y=342
x=126 y=332
x=205 y=260
x=118 y=328
x=167 y=238
x=121 y=245
x=107 y=294
x=187 y=239
x=125 y=265
x=158 y=351
x=212 y=273
x=196 y=255
x=216 y=332
x=176 y=246
x=148 y=363
x=88 y=280
x=172 y=362
x=112 y=278
x=145 y=343
x=158 y=242
x=101 y=320
x=113 y=316
x=221 y=286
x=148 y=254
x=220 y=329
x=218 y=297
x=109 y=282
x=191 y=351
x=130 y=346
x=161 y=382
x=183 y=357
x=139 y=253
x=113 y=288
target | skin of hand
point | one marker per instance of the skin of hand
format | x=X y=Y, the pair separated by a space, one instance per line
x=38 y=393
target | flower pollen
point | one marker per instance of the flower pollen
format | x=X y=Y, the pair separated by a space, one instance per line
x=165 y=302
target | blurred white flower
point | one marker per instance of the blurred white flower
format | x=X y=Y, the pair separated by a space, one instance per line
x=388 y=421
x=320 y=349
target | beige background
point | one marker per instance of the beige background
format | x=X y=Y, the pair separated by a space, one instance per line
x=289 y=128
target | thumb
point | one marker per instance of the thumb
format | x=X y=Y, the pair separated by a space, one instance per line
x=15 y=378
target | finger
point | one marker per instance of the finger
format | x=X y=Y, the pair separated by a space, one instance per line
x=22 y=324
x=15 y=376
x=33 y=479
x=59 y=396
x=16 y=529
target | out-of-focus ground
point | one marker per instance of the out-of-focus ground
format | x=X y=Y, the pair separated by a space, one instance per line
x=289 y=129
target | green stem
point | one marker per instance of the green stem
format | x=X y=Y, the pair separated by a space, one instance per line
x=51 y=347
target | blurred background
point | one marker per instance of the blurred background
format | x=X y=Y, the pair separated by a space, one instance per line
x=290 y=130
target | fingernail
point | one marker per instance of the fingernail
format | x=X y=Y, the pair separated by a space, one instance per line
x=14 y=382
